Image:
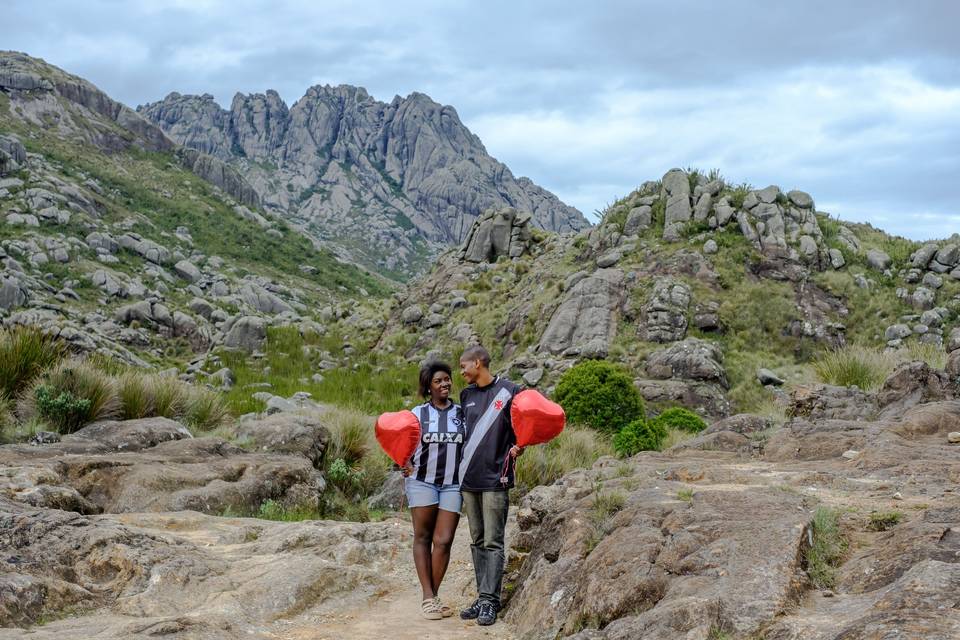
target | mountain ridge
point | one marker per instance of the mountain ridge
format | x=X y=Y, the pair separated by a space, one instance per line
x=345 y=165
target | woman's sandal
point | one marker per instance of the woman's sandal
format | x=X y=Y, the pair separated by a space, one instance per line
x=430 y=609
x=445 y=611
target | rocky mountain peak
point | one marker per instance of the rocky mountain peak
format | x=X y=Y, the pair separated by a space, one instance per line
x=389 y=184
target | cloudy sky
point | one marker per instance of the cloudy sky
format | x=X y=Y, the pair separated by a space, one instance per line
x=856 y=102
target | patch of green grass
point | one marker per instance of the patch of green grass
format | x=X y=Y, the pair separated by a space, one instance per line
x=829 y=545
x=292 y=359
x=686 y=495
x=605 y=506
x=883 y=520
x=868 y=367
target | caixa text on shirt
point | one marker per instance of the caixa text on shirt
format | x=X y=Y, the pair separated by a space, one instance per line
x=442 y=438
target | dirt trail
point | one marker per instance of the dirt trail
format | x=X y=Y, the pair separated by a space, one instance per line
x=395 y=611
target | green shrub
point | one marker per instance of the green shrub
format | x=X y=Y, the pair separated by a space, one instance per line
x=599 y=394
x=25 y=353
x=74 y=394
x=63 y=410
x=829 y=545
x=575 y=448
x=680 y=418
x=639 y=435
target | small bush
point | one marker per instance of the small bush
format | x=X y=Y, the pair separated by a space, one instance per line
x=680 y=418
x=25 y=353
x=828 y=547
x=73 y=394
x=64 y=410
x=639 y=435
x=599 y=394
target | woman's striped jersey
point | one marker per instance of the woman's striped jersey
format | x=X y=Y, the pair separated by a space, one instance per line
x=437 y=459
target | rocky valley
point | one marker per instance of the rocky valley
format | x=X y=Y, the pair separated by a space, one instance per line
x=202 y=309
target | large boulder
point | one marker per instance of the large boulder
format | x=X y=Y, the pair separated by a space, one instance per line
x=586 y=319
x=691 y=359
x=289 y=433
x=247 y=333
x=497 y=233
x=664 y=317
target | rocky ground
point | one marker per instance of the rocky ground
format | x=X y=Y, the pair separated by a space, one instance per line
x=708 y=540
x=712 y=539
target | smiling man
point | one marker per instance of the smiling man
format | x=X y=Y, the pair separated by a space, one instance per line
x=486 y=475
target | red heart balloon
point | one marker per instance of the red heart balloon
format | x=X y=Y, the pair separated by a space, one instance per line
x=535 y=419
x=399 y=434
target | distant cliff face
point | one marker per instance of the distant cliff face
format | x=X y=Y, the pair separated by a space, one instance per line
x=388 y=183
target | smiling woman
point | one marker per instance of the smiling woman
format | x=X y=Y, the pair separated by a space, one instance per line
x=432 y=487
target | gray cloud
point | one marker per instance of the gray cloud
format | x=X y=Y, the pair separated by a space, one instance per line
x=856 y=102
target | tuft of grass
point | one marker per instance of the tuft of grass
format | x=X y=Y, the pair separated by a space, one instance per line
x=686 y=495
x=575 y=448
x=675 y=437
x=823 y=556
x=273 y=510
x=70 y=396
x=605 y=506
x=134 y=394
x=849 y=366
x=25 y=353
x=204 y=409
x=169 y=396
x=883 y=520
x=868 y=367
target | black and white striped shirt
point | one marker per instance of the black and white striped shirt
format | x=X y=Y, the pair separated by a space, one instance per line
x=437 y=460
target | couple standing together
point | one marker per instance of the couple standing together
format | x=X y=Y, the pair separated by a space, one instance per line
x=463 y=461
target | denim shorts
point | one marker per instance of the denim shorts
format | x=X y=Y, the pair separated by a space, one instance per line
x=425 y=494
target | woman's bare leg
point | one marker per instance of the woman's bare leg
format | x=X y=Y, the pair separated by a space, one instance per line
x=424 y=521
x=446 y=527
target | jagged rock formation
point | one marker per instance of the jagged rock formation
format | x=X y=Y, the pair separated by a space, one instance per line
x=495 y=234
x=382 y=178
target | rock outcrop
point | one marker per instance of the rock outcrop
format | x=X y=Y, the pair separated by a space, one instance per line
x=495 y=234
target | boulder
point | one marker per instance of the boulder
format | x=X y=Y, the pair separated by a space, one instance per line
x=664 y=317
x=188 y=271
x=248 y=333
x=412 y=314
x=768 y=377
x=690 y=359
x=301 y=434
x=637 y=220
x=878 y=259
x=587 y=315
x=800 y=199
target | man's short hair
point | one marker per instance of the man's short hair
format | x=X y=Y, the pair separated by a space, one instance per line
x=476 y=352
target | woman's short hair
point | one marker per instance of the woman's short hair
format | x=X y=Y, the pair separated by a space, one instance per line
x=427 y=371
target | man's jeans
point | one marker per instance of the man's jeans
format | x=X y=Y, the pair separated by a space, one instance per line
x=487 y=514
